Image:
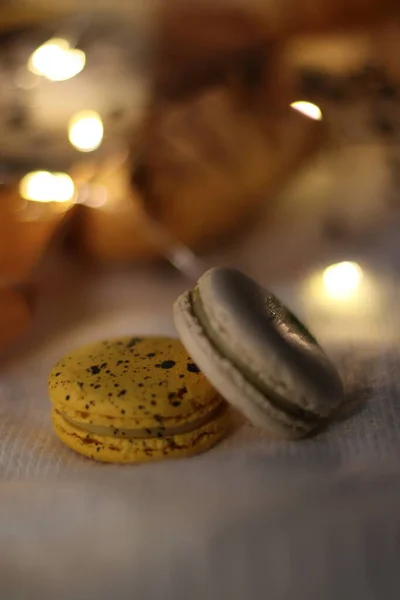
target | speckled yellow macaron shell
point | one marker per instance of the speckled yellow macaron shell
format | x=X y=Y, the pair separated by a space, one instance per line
x=134 y=383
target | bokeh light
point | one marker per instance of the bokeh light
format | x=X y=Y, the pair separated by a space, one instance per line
x=56 y=60
x=43 y=186
x=85 y=130
x=342 y=280
x=308 y=108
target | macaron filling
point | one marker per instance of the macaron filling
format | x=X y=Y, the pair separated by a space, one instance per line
x=226 y=351
x=148 y=432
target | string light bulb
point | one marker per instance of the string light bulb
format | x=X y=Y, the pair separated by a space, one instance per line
x=85 y=130
x=43 y=186
x=342 y=280
x=56 y=60
x=308 y=109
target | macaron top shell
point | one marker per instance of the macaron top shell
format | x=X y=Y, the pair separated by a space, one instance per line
x=266 y=340
x=238 y=332
x=131 y=382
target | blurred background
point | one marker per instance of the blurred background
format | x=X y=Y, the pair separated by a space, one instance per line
x=144 y=141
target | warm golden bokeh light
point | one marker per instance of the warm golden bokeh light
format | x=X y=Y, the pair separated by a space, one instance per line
x=56 y=60
x=43 y=186
x=342 y=280
x=85 y=130
x=308 y=108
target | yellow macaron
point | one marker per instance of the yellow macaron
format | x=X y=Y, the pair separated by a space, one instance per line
x=133 y=400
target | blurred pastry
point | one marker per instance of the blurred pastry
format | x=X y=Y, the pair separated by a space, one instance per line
x=15 y=316
x=26 y=228
x=204 y=170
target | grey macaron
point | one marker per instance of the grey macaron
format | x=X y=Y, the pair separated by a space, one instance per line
x=257 y=354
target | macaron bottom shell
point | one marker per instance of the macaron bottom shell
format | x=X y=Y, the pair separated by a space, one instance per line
x=111 y=449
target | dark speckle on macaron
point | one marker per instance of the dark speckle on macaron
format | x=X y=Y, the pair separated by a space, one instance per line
x=167 y=364
x=193 y=368
x=95 y=369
